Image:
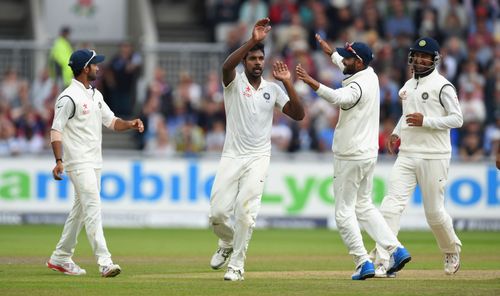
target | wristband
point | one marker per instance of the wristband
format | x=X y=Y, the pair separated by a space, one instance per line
x=59 y=159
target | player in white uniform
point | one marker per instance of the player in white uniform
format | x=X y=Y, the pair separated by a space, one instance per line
x=239 y=183
x=355 y=149
x=430 y=110
x=80 y=112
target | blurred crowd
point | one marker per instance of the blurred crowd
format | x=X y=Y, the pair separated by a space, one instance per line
x=189 y=118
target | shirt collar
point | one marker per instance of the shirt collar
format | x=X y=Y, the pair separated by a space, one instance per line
x=431 y=76
x=263 y=82
x=357 y=74
x=81 y=84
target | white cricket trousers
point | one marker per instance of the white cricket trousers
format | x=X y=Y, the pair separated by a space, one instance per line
x=431 y=175
x=86 y=211
x=237 y=192
x=352 y=190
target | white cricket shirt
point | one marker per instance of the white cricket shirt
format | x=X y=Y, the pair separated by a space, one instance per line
x=356 y=133
x=79 y=116
x=435 y=97
x=249 y=116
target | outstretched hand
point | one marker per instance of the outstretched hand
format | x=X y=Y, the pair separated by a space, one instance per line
x=137 y=125
x=324 y=45
x=304 y=76
x=261 y=29
x=280 y=71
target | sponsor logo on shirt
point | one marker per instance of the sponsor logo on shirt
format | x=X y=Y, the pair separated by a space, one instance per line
x=247 y=92
x=403 y=95
x=85 y=109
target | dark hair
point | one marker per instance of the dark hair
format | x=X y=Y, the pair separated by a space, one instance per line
x=76 y=72
x=258 y=46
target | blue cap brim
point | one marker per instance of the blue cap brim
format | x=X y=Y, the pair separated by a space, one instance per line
x=97 y=59
x=345 y=53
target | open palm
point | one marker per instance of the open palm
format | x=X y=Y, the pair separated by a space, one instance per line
x=280 y=71
x=261 y=29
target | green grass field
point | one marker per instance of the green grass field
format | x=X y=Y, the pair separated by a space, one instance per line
x=279 y=262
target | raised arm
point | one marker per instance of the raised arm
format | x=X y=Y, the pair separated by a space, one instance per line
x=259 y=33
x=292 y=108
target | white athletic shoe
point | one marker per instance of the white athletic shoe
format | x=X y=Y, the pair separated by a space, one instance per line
x=69 y=268
x=220 y=257
x=111 y=270
x=381 y=272
x=451 y=263
x=233 y=275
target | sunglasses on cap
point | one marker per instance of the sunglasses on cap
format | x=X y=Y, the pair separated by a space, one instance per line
x=348 y=47
x=93 y=55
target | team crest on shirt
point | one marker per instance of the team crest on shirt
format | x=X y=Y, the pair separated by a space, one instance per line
x=425 y=96
x=267 y=96
x=403 y=95
x=247 y=92
x=85 y=109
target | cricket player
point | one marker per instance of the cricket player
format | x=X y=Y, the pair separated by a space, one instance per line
x=355 y=149
x=430 y=110
x=239 y=181
x=76 y=138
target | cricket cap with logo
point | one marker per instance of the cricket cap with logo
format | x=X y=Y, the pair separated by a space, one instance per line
x=425 y=45
x=81 y=58
x=356 y=50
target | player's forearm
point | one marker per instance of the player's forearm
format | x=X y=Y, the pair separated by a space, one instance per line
x=235 y=58
x=295 y=109
x=340 y=96
x=121 y=125
x=57 y=149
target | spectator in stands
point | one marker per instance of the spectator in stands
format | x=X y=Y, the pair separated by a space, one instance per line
x=281 y=11
x=223 y=11
x=188 y=93
x=59 y=57
x=159 y=142
x=44 y=90
x=250 y=12
x=471 y=103
x=453 y=19
x=210 y=113
x=189 y=138
x=399 y=22
x=471 y=149
x=8 y=145
x=124 y=70
x=12 y=88
x=281 y=133
x=215 y=137
x=30 y=136
x=304 y=136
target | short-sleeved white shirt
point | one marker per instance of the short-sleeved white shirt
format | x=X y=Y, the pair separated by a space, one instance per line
x=249 y=115
x=79 y=116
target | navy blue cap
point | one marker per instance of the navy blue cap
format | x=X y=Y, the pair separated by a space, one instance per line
x=357 y=50
x=426 y=45
x=84 y=57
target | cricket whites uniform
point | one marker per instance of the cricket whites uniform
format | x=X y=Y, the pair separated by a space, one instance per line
x=424 y=157
x=242 y=171
x=355 y=149
x=79 y=116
